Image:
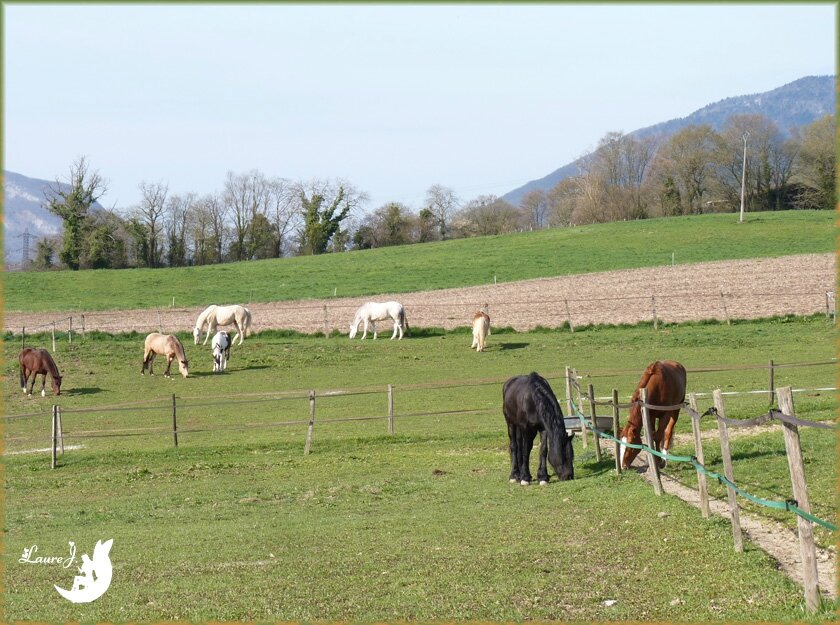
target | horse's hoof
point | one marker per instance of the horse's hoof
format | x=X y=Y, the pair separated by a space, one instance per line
x=525 y=483
x=43 y=393
x=513 y=480
x=543 y=482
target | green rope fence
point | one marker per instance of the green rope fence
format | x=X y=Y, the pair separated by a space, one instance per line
x=789 y=505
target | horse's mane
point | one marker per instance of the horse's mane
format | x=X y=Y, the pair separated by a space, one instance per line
x=48 y=360
x=179 y=347
x=202 y=318
x=546 y=402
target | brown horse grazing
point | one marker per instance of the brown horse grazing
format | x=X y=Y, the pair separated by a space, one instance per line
x=165 y=345
x=34 y=361
x=665 y=384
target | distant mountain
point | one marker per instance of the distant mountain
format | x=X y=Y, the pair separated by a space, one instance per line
x=795 y=104
x=24 y=209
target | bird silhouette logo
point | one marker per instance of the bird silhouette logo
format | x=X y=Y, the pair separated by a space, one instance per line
x=95 y=575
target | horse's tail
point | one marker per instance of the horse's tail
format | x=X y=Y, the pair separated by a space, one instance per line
x=403 y=319
x=247 y=328
x=22 y=375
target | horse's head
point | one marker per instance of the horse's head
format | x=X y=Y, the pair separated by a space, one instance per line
x=631 y=434
x=184 y=367
x=561 y=455
x=196 y=334
x=56 y=384
x=354 y=327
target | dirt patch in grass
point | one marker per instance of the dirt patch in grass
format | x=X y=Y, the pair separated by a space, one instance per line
x=739 y=289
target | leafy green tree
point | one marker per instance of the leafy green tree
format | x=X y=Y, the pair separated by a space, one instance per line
x=72 y=202
x=45 y=251
x=323 y=206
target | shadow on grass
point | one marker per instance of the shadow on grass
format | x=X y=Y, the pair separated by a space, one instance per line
x=507 y=346
x=89 y=390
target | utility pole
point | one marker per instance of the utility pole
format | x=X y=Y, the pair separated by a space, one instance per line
x=743 y=176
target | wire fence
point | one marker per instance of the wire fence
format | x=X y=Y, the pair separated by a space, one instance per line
x=798 y=504
x=328 y=316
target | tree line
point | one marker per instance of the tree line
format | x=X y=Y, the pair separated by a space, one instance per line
x=254 y=216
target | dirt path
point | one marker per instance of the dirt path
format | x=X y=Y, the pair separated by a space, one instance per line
x=774 y=538
x=740 y=289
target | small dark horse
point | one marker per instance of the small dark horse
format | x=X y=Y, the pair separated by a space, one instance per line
x=34 y=361
x=530 y=406
x=665 y=383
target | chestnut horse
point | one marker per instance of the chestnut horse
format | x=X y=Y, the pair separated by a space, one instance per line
x=665 y=384
x=530 y=406
x=34 y=361
x=165 y=345
x=481 y=328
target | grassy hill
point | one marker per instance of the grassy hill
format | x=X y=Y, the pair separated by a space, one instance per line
x=467 y=262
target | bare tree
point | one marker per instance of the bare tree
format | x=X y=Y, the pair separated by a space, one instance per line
x=442 y=203
x=687 y=158
x=815 y=168
x=535 y=208
x=487 y=215
x=179 y=211
x=150 y=216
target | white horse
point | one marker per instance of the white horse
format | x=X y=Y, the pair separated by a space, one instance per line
x=221 y=351
x=372 y=312
x=214 y=316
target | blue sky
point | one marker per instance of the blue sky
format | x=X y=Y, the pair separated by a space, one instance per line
x=393 y=98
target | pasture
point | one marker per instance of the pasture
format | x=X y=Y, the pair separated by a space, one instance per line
x=459 y=263
x=236 y=523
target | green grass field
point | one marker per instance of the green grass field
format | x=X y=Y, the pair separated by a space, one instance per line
x=236 y=523
x=467 y=262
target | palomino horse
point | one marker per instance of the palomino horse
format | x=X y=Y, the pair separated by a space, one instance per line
x=530 y=406
x=34 y=361
x=221 y=351
x=165 y=345
x=481 y=328
x=372 y=312
x=665 y=384
x=214 y=316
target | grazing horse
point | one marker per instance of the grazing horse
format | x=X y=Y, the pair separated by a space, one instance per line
x=165 y=345
x=372 y=312
x=481 y=328
x=665 y=384
x=530 y=406
x=214 y=316
x=221 y=351
x=34 y=361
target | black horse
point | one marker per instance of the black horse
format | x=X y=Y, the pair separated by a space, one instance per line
x=530 y=406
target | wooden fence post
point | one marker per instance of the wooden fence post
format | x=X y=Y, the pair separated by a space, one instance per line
x=702 y=486
x=174 y=421
x=594 y=423
x=60 y=432
x=580 y=410
x=726 y=454
x=725 y=309
x=653 y=465
x=772 y=382
x=807 y=549
x=70 y=330
x=326 y=333
x=53 y=336
x=83 y=326
x=54 y=459
x=160 y=322
x=390 y=409
x=569 y=316
x=569 y=410
x=653 y=306
x=617 y=449
x=311 y=423
x=23 y=337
